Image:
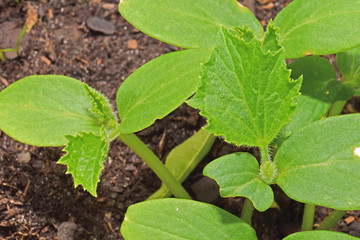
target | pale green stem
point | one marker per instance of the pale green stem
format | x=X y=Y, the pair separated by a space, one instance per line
x=331 y=220
x=132 y=141
x=247 y=211
x=264 y=153
x=308 y=217
x=336 y=108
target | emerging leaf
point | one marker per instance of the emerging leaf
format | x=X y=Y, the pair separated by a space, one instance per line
x=238 y=175
x=271 y=39
x=179 y=219
x=187 y=23
x=86 y=153
x=246 y=94
x=320 y=163
x=102 y=110
x=41 y=110
x=319 y=235
x=319 y=27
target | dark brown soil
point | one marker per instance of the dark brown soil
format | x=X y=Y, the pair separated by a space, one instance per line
x=37 y=198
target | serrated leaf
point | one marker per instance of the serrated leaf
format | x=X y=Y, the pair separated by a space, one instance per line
x=320 y=88
x=320 y=235
x=158 y=88
x=187 y=23
x=170 y=219
x=85 y=155
x=246 y=95
x=238 y=176
x=183 y=159
x=41 y=110
x=102 y=110
x=320 y=163
x=271 y=41
x=349 y=65
x=319 y=27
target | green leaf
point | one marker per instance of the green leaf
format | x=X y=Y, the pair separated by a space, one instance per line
x=238 y=176
x=320 y=88
x=320 y=163
x=349 y=65
x=41 y=110
x=183 y=159
x=246 y=95
x=187 y=23
x=102 y=110
x=319 y=27
x=271 y=38
x=86 y=153
x=158 y=87
x=320 y=235
x=170 y=219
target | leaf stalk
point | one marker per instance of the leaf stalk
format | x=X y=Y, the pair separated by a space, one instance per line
x=132 y=141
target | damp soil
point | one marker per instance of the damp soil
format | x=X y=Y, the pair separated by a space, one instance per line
x=90 y=41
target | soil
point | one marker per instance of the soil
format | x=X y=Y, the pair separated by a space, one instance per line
x=70 y=37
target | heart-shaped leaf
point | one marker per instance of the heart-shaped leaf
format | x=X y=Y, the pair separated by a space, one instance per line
x=238 y=175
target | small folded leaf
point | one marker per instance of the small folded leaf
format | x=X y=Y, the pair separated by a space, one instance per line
x=320 y=163
x=238 y=176
x=158 y=88
x=320 y=88
x=246 y=95
x=102 y=110
x=187 y=23
x=86 y=153
x=271 y=38
x=319 y=27
x=170 y=219
x=41 y=110
x=320 y=235
x=183 y=159
x=349 y=65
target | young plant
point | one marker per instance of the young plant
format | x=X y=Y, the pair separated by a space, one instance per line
x=246 y=94
x=248 y=99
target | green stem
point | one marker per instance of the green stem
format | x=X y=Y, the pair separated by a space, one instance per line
x=264 y=154
x=132 y=141
x=331 y=220
x=336 y=108
x=247 y=211
x=308 y=217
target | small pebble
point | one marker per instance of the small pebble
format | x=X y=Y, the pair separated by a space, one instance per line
x=24 y=157
x=132 y=44
x=66 y=230
x=100 y=25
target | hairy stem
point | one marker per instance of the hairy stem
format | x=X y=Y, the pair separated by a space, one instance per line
x=308 y=217
x=264 y=153
x=247 y=211
x=132 y=141
x=331 y=220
